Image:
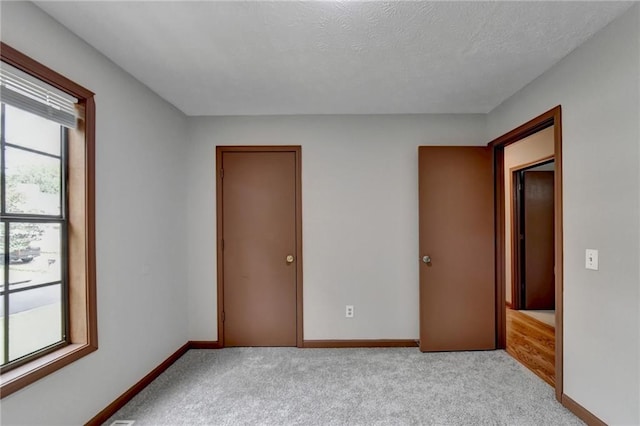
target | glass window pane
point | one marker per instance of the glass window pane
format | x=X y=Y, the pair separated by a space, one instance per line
x=32 y=182
x=35 y=254
x=31 y=131
x=2 y=360
x=35 y=320
x=2 y=260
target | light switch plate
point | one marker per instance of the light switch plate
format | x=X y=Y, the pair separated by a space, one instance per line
x=591 y=259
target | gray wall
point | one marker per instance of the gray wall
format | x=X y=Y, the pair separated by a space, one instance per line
x=141 y=244
x=598 y=88
x=359 y=215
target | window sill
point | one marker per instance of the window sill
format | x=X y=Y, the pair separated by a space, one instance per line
x=22 y=376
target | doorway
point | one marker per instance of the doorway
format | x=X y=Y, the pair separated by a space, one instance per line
x=533 y=284
x=259 y=246
x=550 y=121
x=531 y=316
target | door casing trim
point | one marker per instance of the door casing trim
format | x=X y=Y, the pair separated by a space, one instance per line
x=297 y=150
x=553 y=117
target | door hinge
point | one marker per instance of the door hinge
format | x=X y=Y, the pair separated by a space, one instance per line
x=222 y=316
x=221 y=173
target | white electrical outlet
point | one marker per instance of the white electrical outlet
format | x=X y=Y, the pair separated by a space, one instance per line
x=591 y=259
x=349 y=311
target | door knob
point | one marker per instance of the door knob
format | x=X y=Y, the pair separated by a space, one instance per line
x=426 y=259
x=289 y=258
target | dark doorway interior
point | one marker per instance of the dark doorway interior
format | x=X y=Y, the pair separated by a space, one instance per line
x=534 y=230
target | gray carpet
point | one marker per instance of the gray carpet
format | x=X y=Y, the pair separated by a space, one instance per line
x=395 y=386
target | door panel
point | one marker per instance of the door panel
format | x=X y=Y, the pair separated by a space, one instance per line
x=259 y=232
x=457 y=289
x=538 y=254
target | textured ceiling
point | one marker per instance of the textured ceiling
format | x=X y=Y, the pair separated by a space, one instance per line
x=246 y=58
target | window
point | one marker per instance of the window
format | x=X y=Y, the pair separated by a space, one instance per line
x=33 y=236
x=47 y=275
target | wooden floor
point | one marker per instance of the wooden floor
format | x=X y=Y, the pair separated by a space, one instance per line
x=532 y=342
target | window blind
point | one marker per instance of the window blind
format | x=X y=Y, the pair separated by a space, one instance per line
x=30 y=94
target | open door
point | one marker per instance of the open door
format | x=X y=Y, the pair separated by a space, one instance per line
x=456 y=218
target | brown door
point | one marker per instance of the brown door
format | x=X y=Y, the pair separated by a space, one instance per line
x=457 y=288
x=259 y=248
x=537 y=214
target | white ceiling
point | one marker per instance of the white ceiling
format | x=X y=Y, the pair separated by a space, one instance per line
x=339 y=57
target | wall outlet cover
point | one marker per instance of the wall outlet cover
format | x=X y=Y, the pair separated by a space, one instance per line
x=349 y=311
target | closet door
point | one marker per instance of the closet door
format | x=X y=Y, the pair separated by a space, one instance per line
x=259 y=247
